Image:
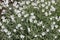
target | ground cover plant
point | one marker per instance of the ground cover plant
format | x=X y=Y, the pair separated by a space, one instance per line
x=29 y=19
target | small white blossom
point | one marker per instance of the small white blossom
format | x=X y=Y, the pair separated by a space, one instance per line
x=58 y=30
x=0 y=24
x=5 y=30
x=8 y=33
x=50 y=13
x=55 y=37
x=43 y=5
x=46 y=14
x=43 y=10
x=22 y=36
x=46 y=7
x=3 y=17
x=26 y=15
x=54 y=23
x=9 y=36
x=56 y=26
x=34 y=4
x=21 y=28
x=47 y=30
x=53 y=1
x=46 y=3
x=0 y=7
x=19 y=25
x=43 y=33
x=49 y=3
x=51 y=18
x=27 y=2
x=4 y=20
x=52 y=8
x=42 y=0
x=32 y=17
x=35 y=21
x=10 y=8
x=40 y=23
x=30 y=20
x=14 y=30
x=35 y=35
x=43 y=26
x=19 y=15
x=32 y=14
x=29 y=30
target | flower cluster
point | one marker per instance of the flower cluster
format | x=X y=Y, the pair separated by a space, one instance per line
x=29 y=20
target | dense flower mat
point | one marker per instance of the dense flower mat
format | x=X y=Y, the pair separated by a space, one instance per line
x=29 y=19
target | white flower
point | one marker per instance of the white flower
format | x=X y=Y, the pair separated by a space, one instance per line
x=47 y=30
x=26 y=15
x=0 y=7
x=14 y=30
x=6 y=1
x=42 y=0
x=22 y=19
x=15 y=3
x=4 y=20
x=3 y=17
x=50 y=13
x=35 y=21
x=22 y=3
x=40 y=23
x=11 y=0
x=30 y=20
x=5 y=30
x=43 y=26
x=55 y=36
x=43 y=33
x=43 y=5
x=0 y=24
x=31 y=0
x=19 y=25
x=32 y=17
x=20 y=8
x=49 y=3
x=38 y=1
x=56 y=26
x=21 y=28
x=8 y=33
x=17 y=6
x=19 y=15
x=46 y=3
x=29 y=30
x=10 y=8
x=9 y=36
x=52 y=26
x=52 y=8
x=34 y=4
x=12 y=17
x=58 y=30
x=22 y=36
x=46 y=7
x=46 y=14
x=53 y=1
x=17 y=11
x=35 y=35
x=51 y=18
x=32 y=14
x=54 y=23
x=43 y=10
x=27 y=2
